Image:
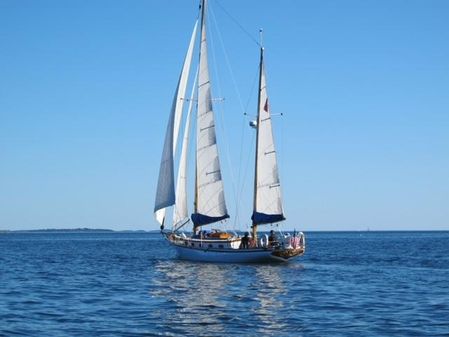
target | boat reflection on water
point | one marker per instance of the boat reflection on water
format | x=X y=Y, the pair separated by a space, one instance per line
x=193 y=294
x=212 y=299
x=270 y=294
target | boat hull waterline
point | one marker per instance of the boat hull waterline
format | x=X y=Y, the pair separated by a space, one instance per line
x=233 y=255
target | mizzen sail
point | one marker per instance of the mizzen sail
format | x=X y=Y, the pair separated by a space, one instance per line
x=267 y=188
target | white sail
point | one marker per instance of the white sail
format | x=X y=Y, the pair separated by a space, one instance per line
x=165 y=193
x=180 y=211
x=267 y=201
x=183 y=86
x=210 y=203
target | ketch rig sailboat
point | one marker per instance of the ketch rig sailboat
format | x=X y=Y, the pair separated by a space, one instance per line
x=209 y=204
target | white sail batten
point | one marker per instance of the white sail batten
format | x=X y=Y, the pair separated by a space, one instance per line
x=210 y=203
x=267 y=201
x=181 y=212
x=165 y=193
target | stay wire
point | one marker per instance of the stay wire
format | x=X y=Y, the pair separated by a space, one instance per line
x=251 y=37
x=243 y=108
x=219 y=89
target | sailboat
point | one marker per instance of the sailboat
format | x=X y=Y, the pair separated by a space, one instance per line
x=209 y=198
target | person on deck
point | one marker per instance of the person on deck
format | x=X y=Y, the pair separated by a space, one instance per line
x=244 y=243
x=272 y=239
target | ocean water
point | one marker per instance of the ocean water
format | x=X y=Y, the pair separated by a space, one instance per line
x=131 y=284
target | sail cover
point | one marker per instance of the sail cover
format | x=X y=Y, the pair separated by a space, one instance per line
x=165 y=193
x=210 y=203
x=267 y=201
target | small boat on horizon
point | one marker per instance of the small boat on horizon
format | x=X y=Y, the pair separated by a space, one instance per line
x=209 y=199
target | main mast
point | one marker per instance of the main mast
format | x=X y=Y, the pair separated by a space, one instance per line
x=254 y=225
x=210 y=205
x=195 y=200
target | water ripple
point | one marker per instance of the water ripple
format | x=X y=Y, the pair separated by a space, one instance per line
x=127 y=284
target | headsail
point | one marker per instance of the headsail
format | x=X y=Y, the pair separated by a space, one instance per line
x=210 y=203
x=183 y=85
x=267 y=199
x=165 y=193
x=180 y=211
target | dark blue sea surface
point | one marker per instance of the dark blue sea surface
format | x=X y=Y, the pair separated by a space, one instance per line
x=131 y=284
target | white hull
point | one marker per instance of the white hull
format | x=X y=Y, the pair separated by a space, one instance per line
x=233 y=255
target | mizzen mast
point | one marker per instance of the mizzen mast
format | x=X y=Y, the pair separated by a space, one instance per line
x=267 y=201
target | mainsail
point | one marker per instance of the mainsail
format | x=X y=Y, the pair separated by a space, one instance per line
x=165 y=193
x=210 y=203
x=267 y=198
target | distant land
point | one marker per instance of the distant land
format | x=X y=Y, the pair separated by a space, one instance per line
x=102 y=230
x=75 y=230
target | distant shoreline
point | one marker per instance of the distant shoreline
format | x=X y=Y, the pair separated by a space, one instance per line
x=75 y=230
x=100 y=230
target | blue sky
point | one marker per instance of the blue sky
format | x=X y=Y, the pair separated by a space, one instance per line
x=86 y=88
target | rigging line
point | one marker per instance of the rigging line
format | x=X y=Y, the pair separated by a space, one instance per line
x=238 y=24
x=242 y=175
x=242 y=107
x=246 y=169
x=244 y=164
x=228 y=63
x=238 y=204
x=225 y=136
x=253 y=86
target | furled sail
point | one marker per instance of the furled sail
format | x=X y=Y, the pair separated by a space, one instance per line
x=210 y=203
x=267 y=199
x=165 y=193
